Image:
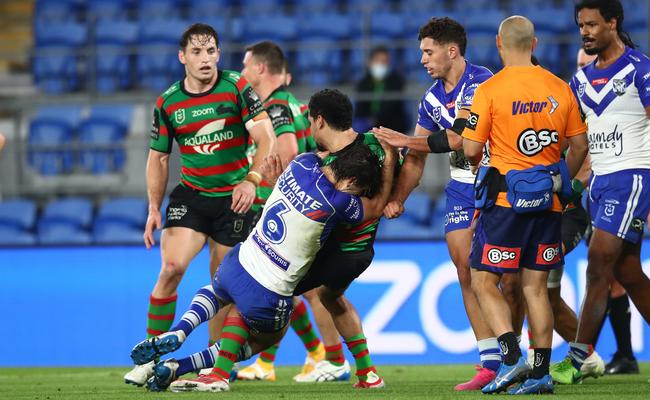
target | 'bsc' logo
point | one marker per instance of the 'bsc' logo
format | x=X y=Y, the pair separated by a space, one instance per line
x=531 y=142
x=502 y=257
x=548 y=254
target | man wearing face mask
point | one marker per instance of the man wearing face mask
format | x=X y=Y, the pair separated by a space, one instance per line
x=378 y=82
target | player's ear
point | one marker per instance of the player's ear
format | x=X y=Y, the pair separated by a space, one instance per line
x=181 y=56
x=498 y=42
x=534 y=44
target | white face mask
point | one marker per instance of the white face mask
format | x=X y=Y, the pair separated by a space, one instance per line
x=378 y=71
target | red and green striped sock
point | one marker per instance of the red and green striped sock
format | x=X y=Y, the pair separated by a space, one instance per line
x=268 y=355
x=302 y=325
x=334 y=354
x=233 y=336
x=161 y=315
x=359 y=348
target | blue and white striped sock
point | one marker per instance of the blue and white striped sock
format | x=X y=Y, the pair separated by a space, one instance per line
x=197 y=361
x=490 y=353
x=578 y=352
x=204 y=306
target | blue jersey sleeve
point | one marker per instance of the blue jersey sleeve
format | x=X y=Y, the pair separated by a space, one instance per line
x=642 y=80
x=425 y=118
x=574 y=84
x=348 y=207
x=467 y=96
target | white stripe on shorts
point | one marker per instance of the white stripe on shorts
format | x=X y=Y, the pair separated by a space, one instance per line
x=632 y=202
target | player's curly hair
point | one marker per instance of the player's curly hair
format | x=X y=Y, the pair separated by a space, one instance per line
x=198 y=29
x=608 y=9
x=444 y=31
x=359 y=163
x=334 y=106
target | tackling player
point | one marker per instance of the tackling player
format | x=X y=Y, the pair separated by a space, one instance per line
x=614 y=96
x=264 y=67
x=210 y=113
x=260 y=275
x=518 y=229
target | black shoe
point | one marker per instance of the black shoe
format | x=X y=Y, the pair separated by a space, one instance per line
x=622 y=365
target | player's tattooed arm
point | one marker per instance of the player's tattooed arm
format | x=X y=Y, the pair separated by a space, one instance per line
x=473 y=153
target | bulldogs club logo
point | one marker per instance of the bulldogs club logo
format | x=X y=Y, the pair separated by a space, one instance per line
x=436 y=113
x=581 y=89
x=619 y=86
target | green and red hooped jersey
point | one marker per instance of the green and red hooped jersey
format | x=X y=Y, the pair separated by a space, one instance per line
x=305 y=126
x=210 y=130
x=354 y=238
x=284 y=111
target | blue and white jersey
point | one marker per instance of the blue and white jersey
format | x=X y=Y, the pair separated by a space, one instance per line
x=297 y=219
x=613 y=101
x=438 y=111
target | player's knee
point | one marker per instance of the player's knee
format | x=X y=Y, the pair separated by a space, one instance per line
x=511 y=287
x=626 y=278
x=310 y=296
x=478 y=285
x=171 y=271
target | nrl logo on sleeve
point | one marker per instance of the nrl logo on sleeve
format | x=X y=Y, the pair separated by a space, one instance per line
x=436 y=113
x=619 y=86
x=179 y=116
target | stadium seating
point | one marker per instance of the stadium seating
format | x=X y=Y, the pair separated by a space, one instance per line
x=50 y=132
x=15 y=237
x=159 y=9
x=102 y=138
x=113 y=61
x=120 y=220
x=56 y=10
x=417 y=207
x=276 y=27
x=108 y=10
x=18 y=214
x=63 y=234
x=73 y=211
x=402 y=229
x=56 y=63
x=159 y=67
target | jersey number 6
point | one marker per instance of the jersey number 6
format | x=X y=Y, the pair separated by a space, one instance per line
x=274 y=227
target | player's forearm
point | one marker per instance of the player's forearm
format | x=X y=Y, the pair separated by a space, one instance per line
x=157 y=175
x=376 y=205
x=473 y=151
x=418 y=143
x=409 y=176
x=576 y=154
x=265 y=140
x=585 y=171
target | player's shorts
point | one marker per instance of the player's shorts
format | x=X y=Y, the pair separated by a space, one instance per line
x=505 y=241
x=459 y=209
x=262 y=309
x=210 y=215
x=335 y=268
x=619 y=202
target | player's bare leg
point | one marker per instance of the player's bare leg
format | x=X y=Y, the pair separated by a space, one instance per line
x=459 y=243
x=565 y=319
x=510 y=285
x=348 y=324
x=178 y=247
x=629 y=273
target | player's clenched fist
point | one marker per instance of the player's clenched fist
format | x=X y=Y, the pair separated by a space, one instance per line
x=393 y=209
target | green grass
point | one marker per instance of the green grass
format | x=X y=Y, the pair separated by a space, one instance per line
x=403 y=382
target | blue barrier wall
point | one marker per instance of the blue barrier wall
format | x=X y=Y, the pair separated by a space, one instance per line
x=87 y=306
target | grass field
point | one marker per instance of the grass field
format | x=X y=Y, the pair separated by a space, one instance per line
x=403 y=382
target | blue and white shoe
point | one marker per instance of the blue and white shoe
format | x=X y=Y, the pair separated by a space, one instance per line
x=149 y=349
x=164 y=373
x=534 y=386
x=507 y=375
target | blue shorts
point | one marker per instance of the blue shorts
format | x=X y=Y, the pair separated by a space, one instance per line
x=619 y=202
x=261 y=309
x=460 y=205
x=505 y=241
